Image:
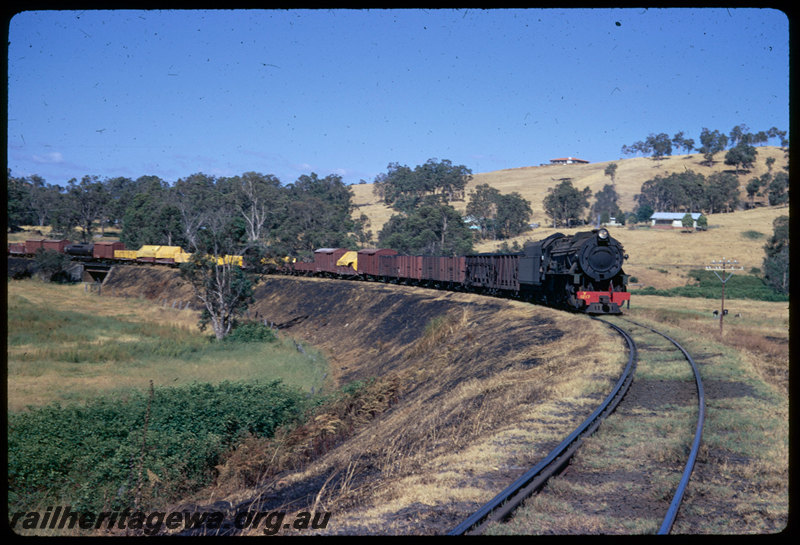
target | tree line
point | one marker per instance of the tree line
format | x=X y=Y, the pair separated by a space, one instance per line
x=740 y=142
x=252 y=210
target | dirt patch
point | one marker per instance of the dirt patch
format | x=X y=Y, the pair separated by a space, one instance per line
x=160 y=284
x=655 y=394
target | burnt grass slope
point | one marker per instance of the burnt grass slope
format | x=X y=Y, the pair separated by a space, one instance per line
x=472 y=392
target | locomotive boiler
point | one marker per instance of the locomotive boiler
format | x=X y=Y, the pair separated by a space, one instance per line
x=581 y=271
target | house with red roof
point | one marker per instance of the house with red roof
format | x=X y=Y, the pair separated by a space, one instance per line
x=568 y=161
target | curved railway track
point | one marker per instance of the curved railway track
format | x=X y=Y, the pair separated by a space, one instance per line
x=509 y=499
x=669 y=519
x=502 y=505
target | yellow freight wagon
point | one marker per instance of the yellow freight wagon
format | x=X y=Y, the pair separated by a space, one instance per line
x=147 y=253
x=182 y=257
x=166 y=255
x=126 y=255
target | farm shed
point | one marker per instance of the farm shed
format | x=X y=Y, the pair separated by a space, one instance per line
x=672 y=220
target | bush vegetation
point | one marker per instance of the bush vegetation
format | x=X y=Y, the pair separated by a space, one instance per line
x=249 y=332
x=706 y=284
x=96 y=456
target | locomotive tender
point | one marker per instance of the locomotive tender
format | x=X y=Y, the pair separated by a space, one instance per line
x=581 y=272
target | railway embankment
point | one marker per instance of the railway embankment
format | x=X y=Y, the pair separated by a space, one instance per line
x=483 y=388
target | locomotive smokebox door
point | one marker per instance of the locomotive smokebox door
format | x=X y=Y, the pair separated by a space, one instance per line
x=600 y=261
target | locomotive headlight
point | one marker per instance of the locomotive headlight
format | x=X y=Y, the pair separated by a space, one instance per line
x=602 y=234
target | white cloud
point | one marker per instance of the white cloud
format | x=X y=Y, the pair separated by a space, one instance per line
x=49 y=158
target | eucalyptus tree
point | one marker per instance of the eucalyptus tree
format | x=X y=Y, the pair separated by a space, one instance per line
x=404 y=188
x=606 y=202
x=432 y=228
x=482 y=208
x=196 y=197
x=742 y=155
x=44 y=198
x=318 y=213
x=18 y=198
x=778 y=189
x=776 y=260
x=223 y=288
x=259 y=200
x=565 y=203
x=680 y=141
x=89 y=200
x=659 y=144
x=711 y=142
x=611 y=171
x=722 y=192
x=513 y=215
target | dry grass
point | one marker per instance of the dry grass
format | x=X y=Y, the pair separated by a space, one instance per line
x=739 y=485
x=29 y=232
x=760 y=333
x=292 y=448
x=76 y=296
x=741 y=482
x=458 y=432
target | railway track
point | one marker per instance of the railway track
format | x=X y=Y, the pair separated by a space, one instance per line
x=507 y=501
x=677 y=498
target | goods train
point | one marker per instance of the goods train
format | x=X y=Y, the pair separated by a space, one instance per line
x=581 y=272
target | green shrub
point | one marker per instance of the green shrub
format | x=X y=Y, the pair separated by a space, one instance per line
x=51 y=264
x=88 y=456
x=249 y=332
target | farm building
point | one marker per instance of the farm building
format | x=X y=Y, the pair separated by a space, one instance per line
x=672 y=220
x=568 y=161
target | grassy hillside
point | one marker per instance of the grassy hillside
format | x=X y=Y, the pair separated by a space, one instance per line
x=533 y=182
x=657 y=258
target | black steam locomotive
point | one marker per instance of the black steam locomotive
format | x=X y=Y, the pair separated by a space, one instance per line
x=582 y=271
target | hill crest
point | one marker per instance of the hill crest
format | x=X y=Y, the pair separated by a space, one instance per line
x=532 y=182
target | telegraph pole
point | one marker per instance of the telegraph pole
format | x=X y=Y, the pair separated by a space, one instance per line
x=726 y=268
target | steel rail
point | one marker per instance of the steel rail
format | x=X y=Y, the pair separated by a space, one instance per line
x=669 y=519
x=533 y=479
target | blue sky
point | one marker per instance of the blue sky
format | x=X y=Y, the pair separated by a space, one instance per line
x=290 y=92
